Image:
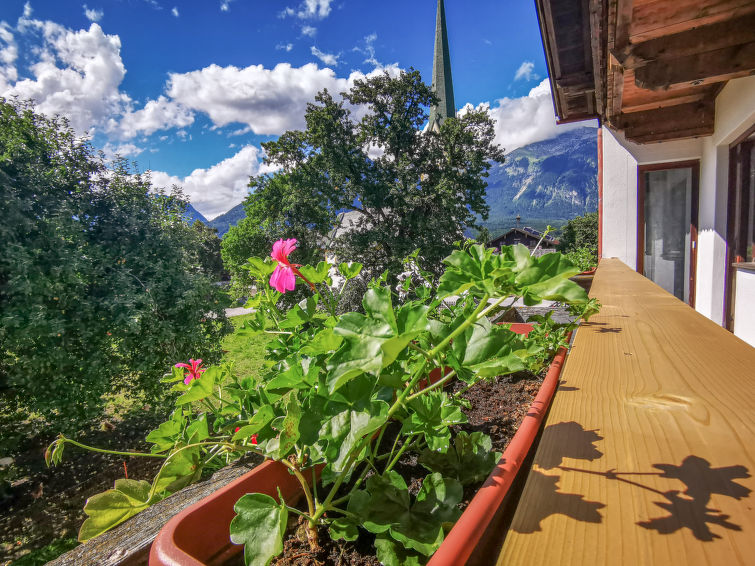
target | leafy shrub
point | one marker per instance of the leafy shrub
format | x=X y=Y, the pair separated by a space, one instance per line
x=579 y=241
x=100 y=285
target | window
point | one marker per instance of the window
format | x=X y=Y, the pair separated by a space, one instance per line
x=667 y=226
x=742 y=200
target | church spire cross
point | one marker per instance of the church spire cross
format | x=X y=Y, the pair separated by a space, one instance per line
x=442 y=83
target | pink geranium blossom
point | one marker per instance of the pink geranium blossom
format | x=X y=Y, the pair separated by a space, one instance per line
x=195 y=370
x=284 y=276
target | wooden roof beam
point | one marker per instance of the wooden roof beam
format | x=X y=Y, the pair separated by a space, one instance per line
x=673 y=122
x=619 y=14
x=704 y=68
x=689 y=43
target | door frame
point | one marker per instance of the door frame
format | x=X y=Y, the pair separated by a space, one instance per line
x=731 y=212
x=693 y=164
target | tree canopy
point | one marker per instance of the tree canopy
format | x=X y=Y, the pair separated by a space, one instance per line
x=101 y=286
x=366 y=155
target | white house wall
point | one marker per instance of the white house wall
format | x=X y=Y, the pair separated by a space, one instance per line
x=735 y=112
x=620 y=161
x=744 y=321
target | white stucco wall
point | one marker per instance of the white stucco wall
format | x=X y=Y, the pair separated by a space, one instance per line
x=620 y=161
x=744 y=320
x=735 y=113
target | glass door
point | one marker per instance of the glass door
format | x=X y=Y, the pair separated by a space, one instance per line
x=667 y=230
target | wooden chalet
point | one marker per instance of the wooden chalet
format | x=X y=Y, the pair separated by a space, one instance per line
x=526 y=236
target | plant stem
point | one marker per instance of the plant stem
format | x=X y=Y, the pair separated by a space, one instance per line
x=421 y=351
x=462 y=327
x=114 y=452
x=495 y=304
x=401 y=451
x=438 y=383
x=312 y=519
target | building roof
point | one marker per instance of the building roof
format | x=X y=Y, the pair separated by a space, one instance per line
x=442 y=82
x=527 y=232
x=651 y=69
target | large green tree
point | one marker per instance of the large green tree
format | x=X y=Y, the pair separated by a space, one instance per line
x=367 y=155
x=100 y=283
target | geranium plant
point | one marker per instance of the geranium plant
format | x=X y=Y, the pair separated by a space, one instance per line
x=346 y=396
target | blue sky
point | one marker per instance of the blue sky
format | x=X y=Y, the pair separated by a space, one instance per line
x=189 y=90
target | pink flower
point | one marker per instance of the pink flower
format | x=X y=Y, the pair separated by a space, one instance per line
x=195 y=370
x=284 y=277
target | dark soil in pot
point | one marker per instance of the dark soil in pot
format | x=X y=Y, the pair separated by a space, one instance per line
x=496 y=408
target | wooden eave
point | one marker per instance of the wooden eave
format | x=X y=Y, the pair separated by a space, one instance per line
x=656 y=65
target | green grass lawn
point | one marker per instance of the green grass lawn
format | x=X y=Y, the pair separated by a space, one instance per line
x=244 y=349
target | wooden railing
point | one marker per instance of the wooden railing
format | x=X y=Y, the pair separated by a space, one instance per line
x=648 y=452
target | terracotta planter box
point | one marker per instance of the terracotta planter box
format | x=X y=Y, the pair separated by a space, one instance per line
x=199 y=535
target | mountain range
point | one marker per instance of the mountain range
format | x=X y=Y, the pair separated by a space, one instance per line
x=546 y=182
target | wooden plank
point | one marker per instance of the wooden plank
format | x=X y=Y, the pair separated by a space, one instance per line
x=129 y=544
x=704 y=68
x=692 y=42
x=647 y=456
x=691 y=116
x=597 y=44
x=619 y=22
x=664 y=17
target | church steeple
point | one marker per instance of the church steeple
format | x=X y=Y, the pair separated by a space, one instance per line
x=442 y=84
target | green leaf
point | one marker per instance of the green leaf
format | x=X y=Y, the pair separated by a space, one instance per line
x=179 y=470
x=391 y=553
x=200 y=388
x=470 y=458
x=418 y=525
x=347 y=527
x=112 y=507
x=260 y=420
x=260 y=268
x=323 y=342
x=374 y=341
x=176 y=374
x=316 y=274
x=289 y=433
x=430 y=415
x=344 y=431
x=259 y=524
x=349 y=271
x=488 y=350
x=165 y=436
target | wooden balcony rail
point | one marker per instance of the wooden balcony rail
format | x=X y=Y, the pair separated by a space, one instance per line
x=648 y=452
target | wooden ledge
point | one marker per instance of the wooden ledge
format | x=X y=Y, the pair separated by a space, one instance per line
x=647 y=455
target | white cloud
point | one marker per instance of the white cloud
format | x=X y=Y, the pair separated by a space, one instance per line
x=316 y=9
x=73 y=73
x=8 y=56
x=174 y=11
x=269 y=101
x=526 y=72
x=285 y=46
x=124 y=150
x=525 y=120
x=27 y=10
x=326 y=58
x=369 y=52
x=92 y=14
x=309 y=31
x=219 y=188
x=156 y=115
x=225 y=5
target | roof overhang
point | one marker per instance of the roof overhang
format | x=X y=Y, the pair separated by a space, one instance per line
x=649 y=68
